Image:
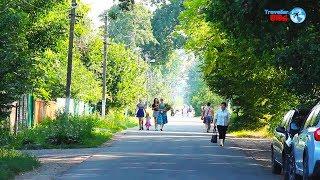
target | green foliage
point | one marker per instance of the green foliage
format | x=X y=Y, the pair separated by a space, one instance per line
x=13 y=162
x=33 y=51
x=199 y=94
x=126 y=77
x=126 y=5
x=168 y=39
x=201 y=97
x=132 y=28
x=168 y=80
x=51 y=59
x=72 y=132
x=263 y=68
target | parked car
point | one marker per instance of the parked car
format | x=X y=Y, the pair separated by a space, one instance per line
x=304 y=159
x=282 y=134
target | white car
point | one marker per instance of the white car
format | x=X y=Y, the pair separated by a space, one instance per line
x=304 y=159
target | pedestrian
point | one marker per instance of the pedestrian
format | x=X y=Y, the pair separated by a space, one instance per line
x=207 y=116
x=162 y=117
x=140 y=113
x=222 y=120
x=155 y=108
x=148 y=121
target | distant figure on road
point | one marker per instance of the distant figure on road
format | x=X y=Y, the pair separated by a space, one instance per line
x=155 y=108
x=140 y=113
x=222 y=120
x=148 y=121
x=207 y=116
x=162 y=118
x=172 y=112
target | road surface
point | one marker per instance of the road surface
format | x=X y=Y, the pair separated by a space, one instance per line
x=182 y=151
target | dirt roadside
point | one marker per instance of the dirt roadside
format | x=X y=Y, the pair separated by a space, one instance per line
x=258 y=149
x=56 y=161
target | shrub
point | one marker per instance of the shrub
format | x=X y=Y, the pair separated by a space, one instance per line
x=239 y=123
x=5 y=136
x=73 y=131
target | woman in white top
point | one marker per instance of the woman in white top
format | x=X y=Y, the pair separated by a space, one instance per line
x=222 y=120
x=207 y=116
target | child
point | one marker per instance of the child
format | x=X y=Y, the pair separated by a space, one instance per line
x=148 y=121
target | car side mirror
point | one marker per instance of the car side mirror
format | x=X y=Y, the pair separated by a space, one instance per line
x=281 y=130
x=294 y=128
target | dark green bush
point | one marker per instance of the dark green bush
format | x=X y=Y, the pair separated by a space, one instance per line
x=239 y=123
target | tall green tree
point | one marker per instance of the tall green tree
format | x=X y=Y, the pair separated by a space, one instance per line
x=251 y=61
x=132 y=28
x=34 y=49
x=163 y=22
x=20 y=43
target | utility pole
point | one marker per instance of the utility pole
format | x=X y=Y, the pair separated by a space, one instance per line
x=105 y=48
x=70 y=55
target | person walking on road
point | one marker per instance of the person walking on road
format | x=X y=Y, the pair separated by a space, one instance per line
x=148 y=121
x=222 y=120
x=155 y=108
x=207 y=116
x=162 y=118
x=141 y=109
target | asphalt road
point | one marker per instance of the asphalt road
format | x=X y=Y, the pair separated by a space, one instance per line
x=182 y=151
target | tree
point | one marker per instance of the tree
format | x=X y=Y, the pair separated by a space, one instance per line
x=199 y=93
x=125 y=78
x=164 y=21
x=132 y=28
x=33 y=52
x=246 y=56
x=19 y=44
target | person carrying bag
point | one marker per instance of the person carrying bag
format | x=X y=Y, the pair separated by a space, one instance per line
x=222 y=121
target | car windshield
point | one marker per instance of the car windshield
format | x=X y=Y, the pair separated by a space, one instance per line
x=300 y=116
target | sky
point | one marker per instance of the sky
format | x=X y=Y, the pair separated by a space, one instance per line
x=99 y=6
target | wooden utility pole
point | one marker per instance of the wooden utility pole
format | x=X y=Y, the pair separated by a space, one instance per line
x=70 y=55
x=105 y=53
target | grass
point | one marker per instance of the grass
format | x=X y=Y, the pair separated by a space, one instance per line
x=260 y=133
x=13 y=162
x=244 y=127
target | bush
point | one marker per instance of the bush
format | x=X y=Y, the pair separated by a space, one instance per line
x=239 y=123
x=5 y=136
x=72 y=132
x=13 y=162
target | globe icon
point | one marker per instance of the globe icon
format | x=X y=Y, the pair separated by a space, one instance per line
x=298 y=15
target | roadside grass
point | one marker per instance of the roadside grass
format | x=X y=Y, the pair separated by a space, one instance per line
x=72 y=132
x=241 y=127
x=13 y=162
x=259 y=133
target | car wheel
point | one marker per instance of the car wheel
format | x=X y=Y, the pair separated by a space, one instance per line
x=290 y=168
x=276 y=167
